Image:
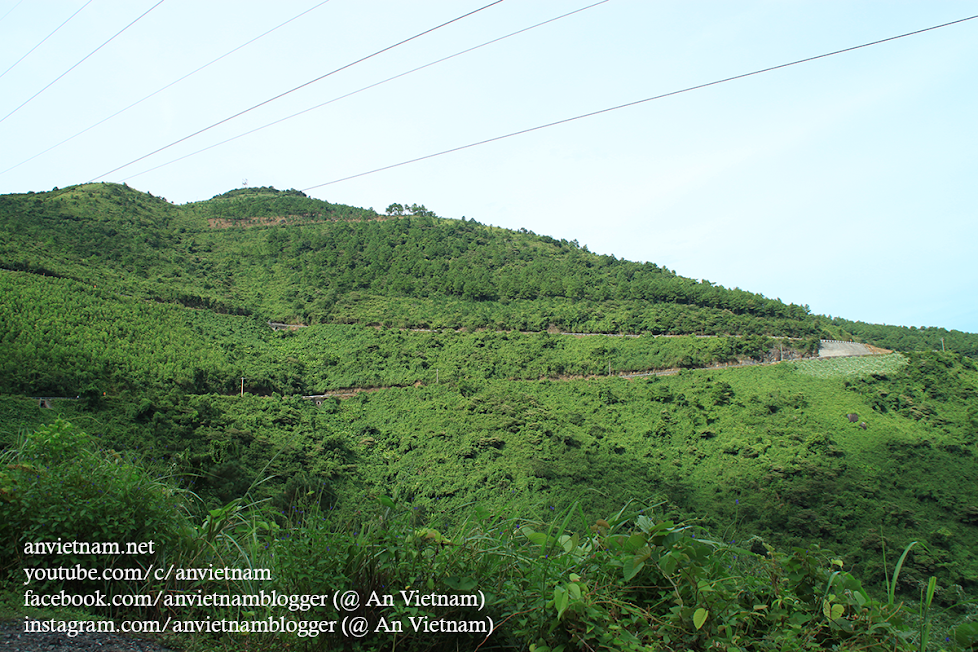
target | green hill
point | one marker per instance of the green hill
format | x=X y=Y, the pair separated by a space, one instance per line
x=293 y=258
x=443 y=363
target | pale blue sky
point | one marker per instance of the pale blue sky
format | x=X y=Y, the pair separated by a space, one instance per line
x=847 y=183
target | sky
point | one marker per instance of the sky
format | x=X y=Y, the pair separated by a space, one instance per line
x=848 y=183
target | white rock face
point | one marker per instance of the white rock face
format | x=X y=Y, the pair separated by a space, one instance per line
x=835 y=349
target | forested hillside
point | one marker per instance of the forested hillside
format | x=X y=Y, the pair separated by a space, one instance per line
x=437 y=364
x=290 y=258
x=332 y=264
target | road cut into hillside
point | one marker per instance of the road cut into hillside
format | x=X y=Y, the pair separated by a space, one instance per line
x=827 y=349
x=836 y=349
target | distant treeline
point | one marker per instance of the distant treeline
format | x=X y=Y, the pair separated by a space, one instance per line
x=902 y=338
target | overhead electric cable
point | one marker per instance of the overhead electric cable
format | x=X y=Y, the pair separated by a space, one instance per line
x=308 y=83
x=11 y=9
x=45 y=38
x=226 y=54
x=374 y=85
x=647 y=99
x=82 y=61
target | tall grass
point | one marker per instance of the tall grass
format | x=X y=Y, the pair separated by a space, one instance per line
x=633 y=581
x=636 y=580
x=918 y=620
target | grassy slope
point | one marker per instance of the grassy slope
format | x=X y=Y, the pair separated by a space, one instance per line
x=761 y=452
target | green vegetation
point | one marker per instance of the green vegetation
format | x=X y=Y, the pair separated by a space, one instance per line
x=57 y=483
x=859 y=366
x=634 y=579
x=765 y=452
x=482 y=404
x=292 y=258
x=334 y=264
x=902 y=338
x=66 y=339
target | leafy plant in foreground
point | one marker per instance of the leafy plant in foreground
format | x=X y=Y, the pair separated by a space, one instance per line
x=58 y=485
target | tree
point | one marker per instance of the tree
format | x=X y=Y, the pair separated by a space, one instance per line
x=420 y=211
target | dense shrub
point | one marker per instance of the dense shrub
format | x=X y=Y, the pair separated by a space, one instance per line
x=57 y=485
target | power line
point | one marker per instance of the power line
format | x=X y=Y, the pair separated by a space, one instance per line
x=82 y=61
x=637 y=102
x=308 y=83
x=45 y=38
x=374 y=85
x=173 y=83
x=11 y=10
